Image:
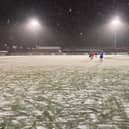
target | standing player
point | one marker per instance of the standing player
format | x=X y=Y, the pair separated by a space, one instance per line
x=101 y=55
x=128 y=52
x=96 y=54
x=91 y=55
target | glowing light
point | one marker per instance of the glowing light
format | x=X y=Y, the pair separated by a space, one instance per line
x=116 y=22
x=33 y=24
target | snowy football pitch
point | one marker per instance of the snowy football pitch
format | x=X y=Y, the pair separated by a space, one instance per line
x=64 y=92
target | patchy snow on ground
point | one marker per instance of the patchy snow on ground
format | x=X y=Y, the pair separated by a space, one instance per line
x=64 y=92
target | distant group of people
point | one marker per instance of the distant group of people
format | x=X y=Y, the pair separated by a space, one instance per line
x=94 y=54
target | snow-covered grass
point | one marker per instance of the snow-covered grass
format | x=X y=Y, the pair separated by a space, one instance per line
x=64 y=92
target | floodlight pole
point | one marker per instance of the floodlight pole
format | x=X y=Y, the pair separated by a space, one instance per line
x=115 y=23
x=34 y=25
x=115 y=39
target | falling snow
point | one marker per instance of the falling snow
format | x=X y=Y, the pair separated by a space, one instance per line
x=70 y=10
x=81 y=33
x=8 y=21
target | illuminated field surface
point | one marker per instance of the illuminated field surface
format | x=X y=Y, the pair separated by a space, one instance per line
x=64 y=92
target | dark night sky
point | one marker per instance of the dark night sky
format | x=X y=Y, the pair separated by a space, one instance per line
x=70 y=22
